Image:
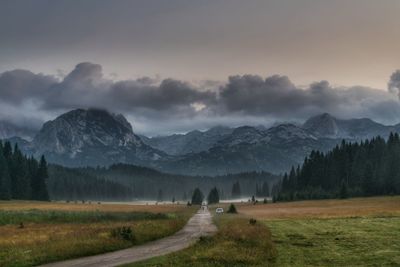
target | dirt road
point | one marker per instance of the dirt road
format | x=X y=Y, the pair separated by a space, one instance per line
x=200 y=224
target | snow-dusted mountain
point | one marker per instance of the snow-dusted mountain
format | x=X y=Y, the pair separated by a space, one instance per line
x=98 y=138
x=275 y=149
x=325 y=125
x=192 y=142
x=253 y=149
x=92 y=137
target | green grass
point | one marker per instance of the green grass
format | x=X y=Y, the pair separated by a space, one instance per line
x=237 y=243
x=337 y=242
x=352 y=232
x=54 y=216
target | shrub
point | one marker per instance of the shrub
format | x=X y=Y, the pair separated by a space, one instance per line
x=232 y=209
x=124 y=232
x=252 y=221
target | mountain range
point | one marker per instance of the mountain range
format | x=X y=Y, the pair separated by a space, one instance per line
x=8 y=130
x=95 y=137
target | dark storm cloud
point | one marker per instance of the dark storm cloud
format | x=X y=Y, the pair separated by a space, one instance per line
x=175 y=104
x=85 y=86
x=170 y=93
x=18 y=85
x=279 y=97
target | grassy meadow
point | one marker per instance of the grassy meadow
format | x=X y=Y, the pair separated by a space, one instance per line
x=237 y=243
x=39 y=232
x=322 y=209
x=337 y=242
x=349 y=232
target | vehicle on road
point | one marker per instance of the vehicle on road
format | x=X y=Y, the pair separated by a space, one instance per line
x=219 y=210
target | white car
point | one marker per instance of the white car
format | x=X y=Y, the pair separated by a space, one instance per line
x=219 y=210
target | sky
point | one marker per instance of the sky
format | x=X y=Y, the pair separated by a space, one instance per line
x=174 y=66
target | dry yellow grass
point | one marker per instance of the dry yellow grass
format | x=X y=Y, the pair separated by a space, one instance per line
x=106 y=207
x=333 y=208
x=46 y=240
x=39 y=243
x=237 y=243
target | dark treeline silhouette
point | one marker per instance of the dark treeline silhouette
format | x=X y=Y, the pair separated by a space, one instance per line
x=71 y=184
x=236 y=191
x=129 y=182
x=21 y=177
x=263 y=191
x=368 y=168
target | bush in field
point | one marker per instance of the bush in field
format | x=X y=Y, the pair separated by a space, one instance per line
x=252 y=221
x=232 y=209
x=125 y=233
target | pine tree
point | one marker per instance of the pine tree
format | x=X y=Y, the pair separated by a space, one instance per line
x=20 y=181
x=265 y=190
x=236 y=192
x=197 y=198
x=7 y=150
x=344 y=190
x=39 y=187
x=160 y=197
x=213 y=196
x=5 y=183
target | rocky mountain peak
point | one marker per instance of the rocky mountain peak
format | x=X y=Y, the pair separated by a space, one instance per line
x=322 y=125
x=84 y=135
x=78 y=128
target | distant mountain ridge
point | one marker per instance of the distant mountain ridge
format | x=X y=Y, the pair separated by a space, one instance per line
x=325 y=125
x=251 y=149
x=8 y=130
x=96 y=137
x=192 y=142
x=274 y=149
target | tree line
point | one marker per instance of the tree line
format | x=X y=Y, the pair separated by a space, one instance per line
x=149 y=184
x=367 y=168
x=21 y=177
x=72 y=184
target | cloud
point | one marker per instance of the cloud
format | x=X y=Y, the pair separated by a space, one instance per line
x=277 y=96
x=394 y=83
x=170 y=94
x=175 y=105
x=18 y=85
x=85 y=86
